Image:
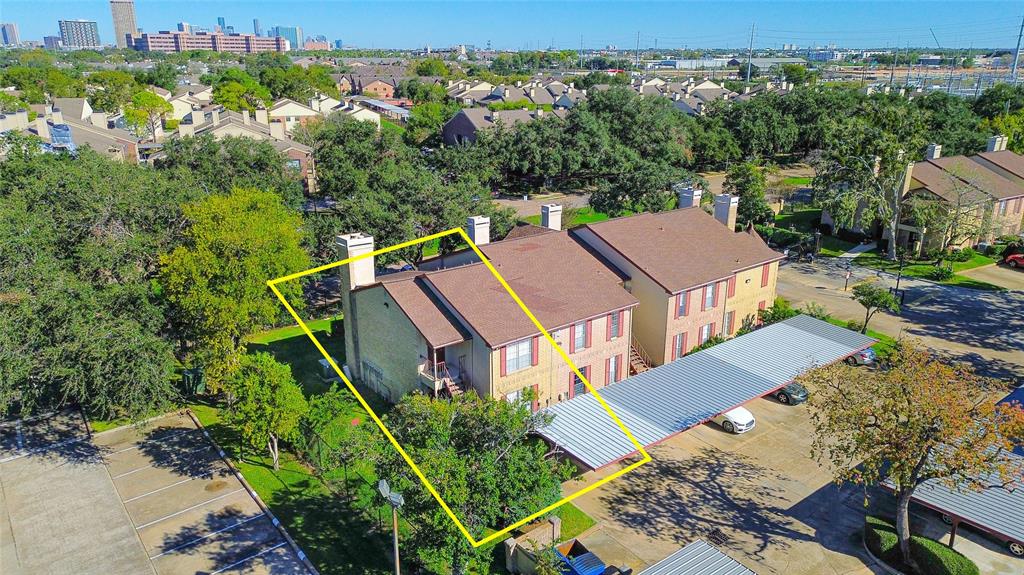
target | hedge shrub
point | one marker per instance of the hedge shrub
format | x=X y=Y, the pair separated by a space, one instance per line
x=932 y=557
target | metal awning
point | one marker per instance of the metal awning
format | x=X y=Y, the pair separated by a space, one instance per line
x=697 y=558
x=995 y=509
x=668 y=399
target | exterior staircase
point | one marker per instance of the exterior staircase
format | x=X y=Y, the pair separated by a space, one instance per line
x=639 y=361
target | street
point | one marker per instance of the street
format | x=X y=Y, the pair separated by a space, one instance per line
x=985 y=328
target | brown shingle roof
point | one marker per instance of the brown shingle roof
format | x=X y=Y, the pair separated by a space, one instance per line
x=948 y=181
x=525 y=230
x=1007 y=160
x=684 y=248
x=418 y=305
x=980 y=177
x=558 y=280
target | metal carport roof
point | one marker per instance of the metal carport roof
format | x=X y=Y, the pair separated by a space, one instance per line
x=995 y=508
x=674 y=397
x=697 y=558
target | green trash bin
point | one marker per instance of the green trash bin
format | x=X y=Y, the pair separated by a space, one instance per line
x=192 y=381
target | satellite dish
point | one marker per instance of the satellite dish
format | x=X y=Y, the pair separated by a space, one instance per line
x=384 y=488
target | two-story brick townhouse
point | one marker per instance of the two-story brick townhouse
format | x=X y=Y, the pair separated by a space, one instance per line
x=694 y=276
x=450 y=326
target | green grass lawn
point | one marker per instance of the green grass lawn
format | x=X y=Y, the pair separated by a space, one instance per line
x=389 y=126
x=798 y=181
x=885 y=342
x=585 y=215
x=802 y=219
x=574 y=521
x=834 y=247
x=920 y=269
x=290 y=345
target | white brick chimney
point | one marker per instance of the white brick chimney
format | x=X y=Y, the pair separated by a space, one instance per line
x=479 y=229
x=933 y=152
x=551 y=216
x=360 y=272
x=688 y=195
x=726 y=206
x=277 y=130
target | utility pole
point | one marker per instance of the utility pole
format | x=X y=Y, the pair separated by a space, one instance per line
x=581 y=51
x=1016 y=53
x=637 y=49
x=895 y=59
x=750 y=52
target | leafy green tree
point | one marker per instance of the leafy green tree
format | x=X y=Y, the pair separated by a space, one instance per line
x=39 y=84
x=920 y=420
x=761 y=127
x=426 y=121
x=419 y=91
x=215 y=283
x=999 y=99
x=796 y=73
x=111 y=90
x=713 y=144
x=266 y=403
x=860 y=172
x=748 y=181
x=874 y=298
x=220 y=165
x=162 y=74
x=487 y=467
x=236 y=90
x=146 y=112
x=950 y=121
x=431 y=67
x=1010 y=125
x=642 y=186
x=817 y=110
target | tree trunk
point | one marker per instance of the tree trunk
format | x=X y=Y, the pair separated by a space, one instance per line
x=274 y=453
x=903 y=527
x=867 y=318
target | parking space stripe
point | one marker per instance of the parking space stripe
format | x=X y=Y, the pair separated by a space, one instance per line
x=175 y=514
x=200 y=448
x=208 y=535
x=141 y=443
x=25 y=452
x=186 y=480
x=249 y=558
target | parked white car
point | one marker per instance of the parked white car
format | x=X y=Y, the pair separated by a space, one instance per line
x=737 y=420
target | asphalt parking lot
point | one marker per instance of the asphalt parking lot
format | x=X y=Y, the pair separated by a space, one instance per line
x=758 y=497
x=156 y=499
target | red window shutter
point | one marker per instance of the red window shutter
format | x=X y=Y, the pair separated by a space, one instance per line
x=732 y=320
x=675 y=346
x=704 y=298
x=686 y=303
x=607 y=370
x=590 y=330
x=683 y=347
x=732 y=286
x=572 y=384
x=533 y=352
x=714 y=294
x=536 y=395
x=502 y=360
x=618 y=367
x=764 y=275
x=760 y=307
x=608 y=327
x=679 y=304
x=622 y=324
x=712 y=334
x=572 y=338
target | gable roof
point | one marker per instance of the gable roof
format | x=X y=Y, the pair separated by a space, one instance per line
x=1005 y=159
x=426 y=315
x=558 y=280
x=958 y=179
x=684 y=248
x=980 y=177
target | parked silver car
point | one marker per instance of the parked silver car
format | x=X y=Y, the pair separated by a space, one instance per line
x=863 y=357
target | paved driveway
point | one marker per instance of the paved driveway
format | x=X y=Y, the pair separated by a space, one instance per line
x=985 y=328
x=1004 y=276
x=758 y=496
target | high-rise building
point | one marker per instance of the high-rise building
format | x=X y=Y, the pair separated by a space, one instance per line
x=184 y=27
x=181 y=42
x=256 y=27
x=338 y=44
x=123 y=12
x=79 y=33
x=291 y=33
x=52 y=42
x=9 y=34
x=220 y=23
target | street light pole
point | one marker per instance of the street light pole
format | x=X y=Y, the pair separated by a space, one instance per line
x=394 y=528
x=395 y=500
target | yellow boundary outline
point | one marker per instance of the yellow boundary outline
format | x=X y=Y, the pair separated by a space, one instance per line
x=476 y=543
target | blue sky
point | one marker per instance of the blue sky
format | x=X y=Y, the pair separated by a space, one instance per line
x=530 y=24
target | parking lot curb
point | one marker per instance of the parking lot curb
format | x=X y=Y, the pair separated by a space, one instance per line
x=252 y=493
x=885 y=566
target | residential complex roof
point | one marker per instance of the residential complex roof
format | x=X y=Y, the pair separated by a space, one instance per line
x=995 y=508
x=682 y=248
x=668 y=399
x=1007 y=160
x=558 y=280
x=980 y=176
x=425 y=314
x=697 y=558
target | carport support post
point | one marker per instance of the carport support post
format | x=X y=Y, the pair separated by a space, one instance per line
x=952 y=532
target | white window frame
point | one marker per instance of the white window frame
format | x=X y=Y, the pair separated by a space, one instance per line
x=616 y=328
x=514 y=396
x=679 y=345
x=709 y=296
x=580 y=336
x=518 y=355
x=705 y=333
x=613 y=368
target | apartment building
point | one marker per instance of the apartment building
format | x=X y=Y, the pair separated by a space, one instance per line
x=617 y=297
x=170 y=42
x=693 y=276
x=983 y=193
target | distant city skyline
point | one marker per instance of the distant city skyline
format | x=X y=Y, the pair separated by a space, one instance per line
x=533 y=25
